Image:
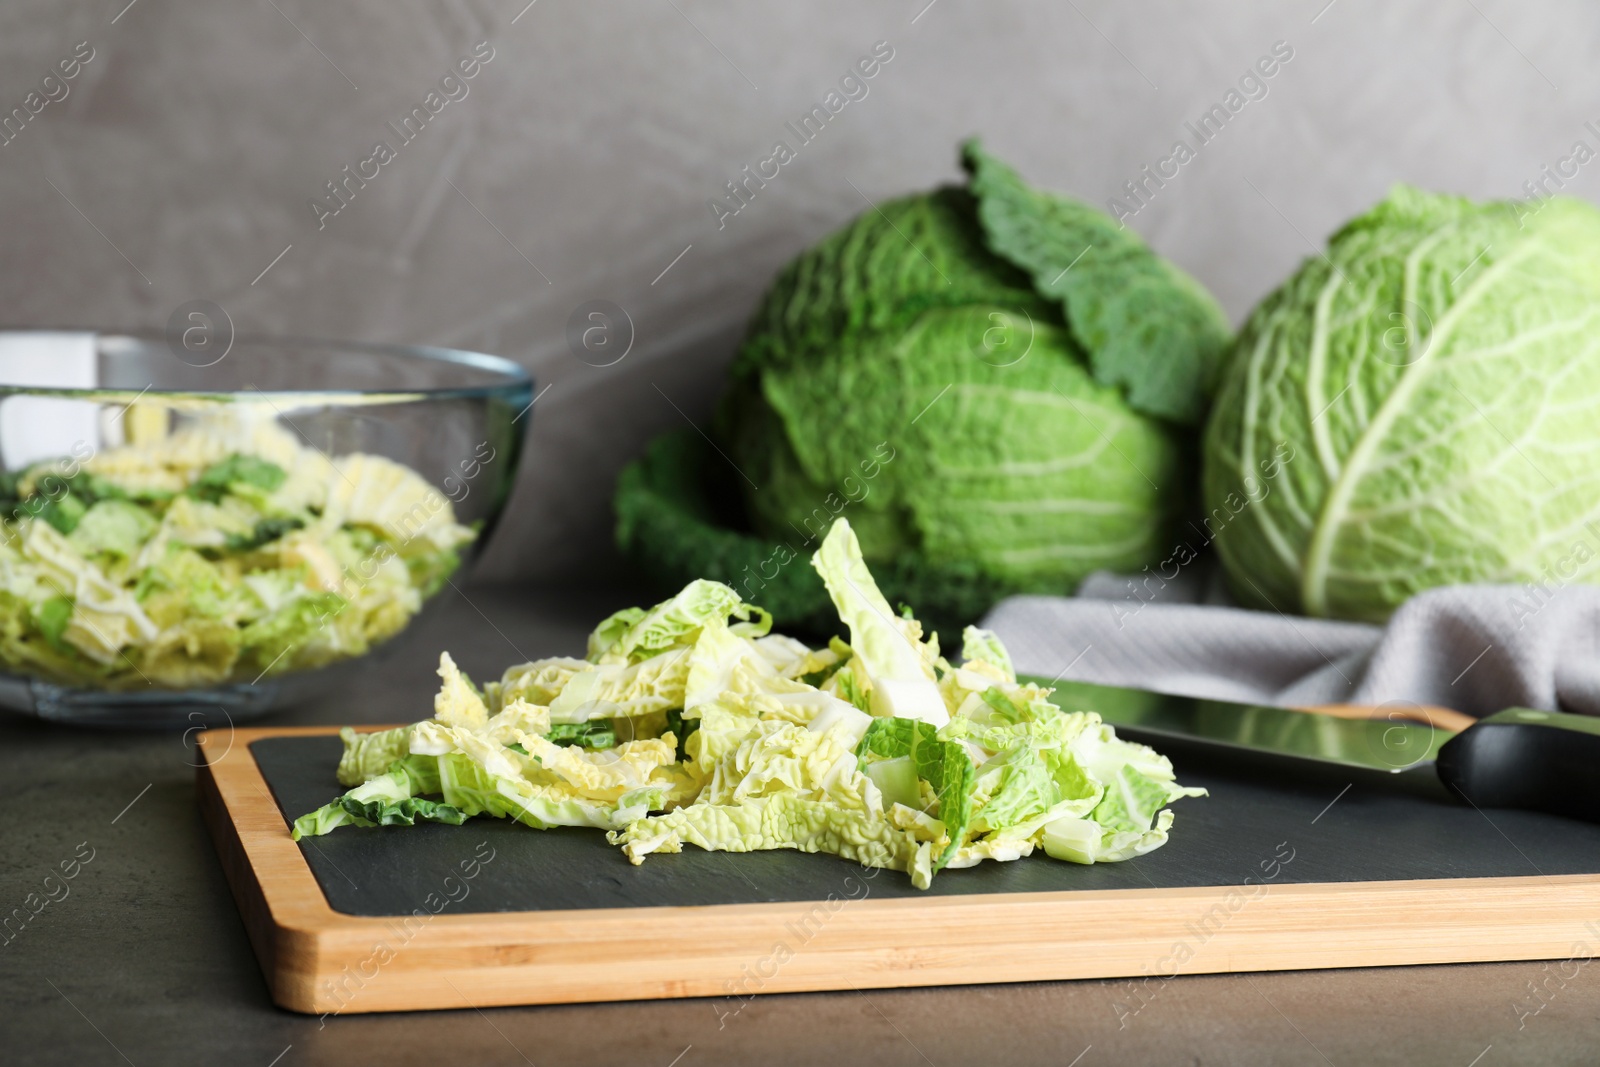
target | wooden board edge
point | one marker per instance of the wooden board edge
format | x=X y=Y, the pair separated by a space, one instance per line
x=557 y=958
x=321 y=961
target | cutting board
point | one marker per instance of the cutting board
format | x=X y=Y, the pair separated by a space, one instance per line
x=1286 y=865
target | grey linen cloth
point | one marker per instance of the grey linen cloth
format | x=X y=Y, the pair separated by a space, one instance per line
x=1474 y=648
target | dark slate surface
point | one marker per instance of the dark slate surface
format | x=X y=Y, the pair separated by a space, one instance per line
x=1381 y=827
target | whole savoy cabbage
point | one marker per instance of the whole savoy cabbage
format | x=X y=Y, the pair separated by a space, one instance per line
x=1435 y=378
x=999 y=386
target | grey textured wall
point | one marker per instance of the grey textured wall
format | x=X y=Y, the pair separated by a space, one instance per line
x=198 y=133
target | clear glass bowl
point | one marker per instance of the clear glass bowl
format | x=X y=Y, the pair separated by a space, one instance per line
x=86 y=401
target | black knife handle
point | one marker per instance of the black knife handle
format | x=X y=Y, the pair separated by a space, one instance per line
x=1522 y=758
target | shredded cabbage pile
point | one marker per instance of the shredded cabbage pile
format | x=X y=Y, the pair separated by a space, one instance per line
x=223 y=552
x=690 y=723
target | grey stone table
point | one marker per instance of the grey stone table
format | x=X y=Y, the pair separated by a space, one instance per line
x=145 y=962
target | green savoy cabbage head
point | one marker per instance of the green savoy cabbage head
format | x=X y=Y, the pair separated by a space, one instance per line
x=985 y=375
x=1418 y=407
x=999 y=387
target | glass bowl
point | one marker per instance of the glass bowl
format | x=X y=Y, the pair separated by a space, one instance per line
x=175 y=507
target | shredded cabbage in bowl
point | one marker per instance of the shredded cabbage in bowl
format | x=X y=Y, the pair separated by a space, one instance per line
x=224 y=552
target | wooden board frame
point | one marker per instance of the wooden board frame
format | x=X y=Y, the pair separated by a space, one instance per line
x=321 y=961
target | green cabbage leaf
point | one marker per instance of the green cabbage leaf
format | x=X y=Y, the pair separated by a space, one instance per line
x=890 y=657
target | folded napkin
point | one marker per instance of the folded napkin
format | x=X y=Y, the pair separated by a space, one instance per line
x=1475 y=648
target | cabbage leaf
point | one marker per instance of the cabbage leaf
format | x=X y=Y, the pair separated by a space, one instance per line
x=1147 y=327
x=889 y=655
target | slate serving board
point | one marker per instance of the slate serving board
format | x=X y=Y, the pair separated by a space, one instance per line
x=1286 y=865
x=1387 y=828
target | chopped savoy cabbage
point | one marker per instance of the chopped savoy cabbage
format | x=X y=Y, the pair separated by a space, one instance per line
x=223 y=552
x=714 y=732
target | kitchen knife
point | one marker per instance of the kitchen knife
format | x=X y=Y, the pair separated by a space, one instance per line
x=1516 y=758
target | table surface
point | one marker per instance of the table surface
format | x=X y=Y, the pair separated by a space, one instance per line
x=145 y=961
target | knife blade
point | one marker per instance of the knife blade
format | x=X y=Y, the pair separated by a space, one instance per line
x=1518 y=757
